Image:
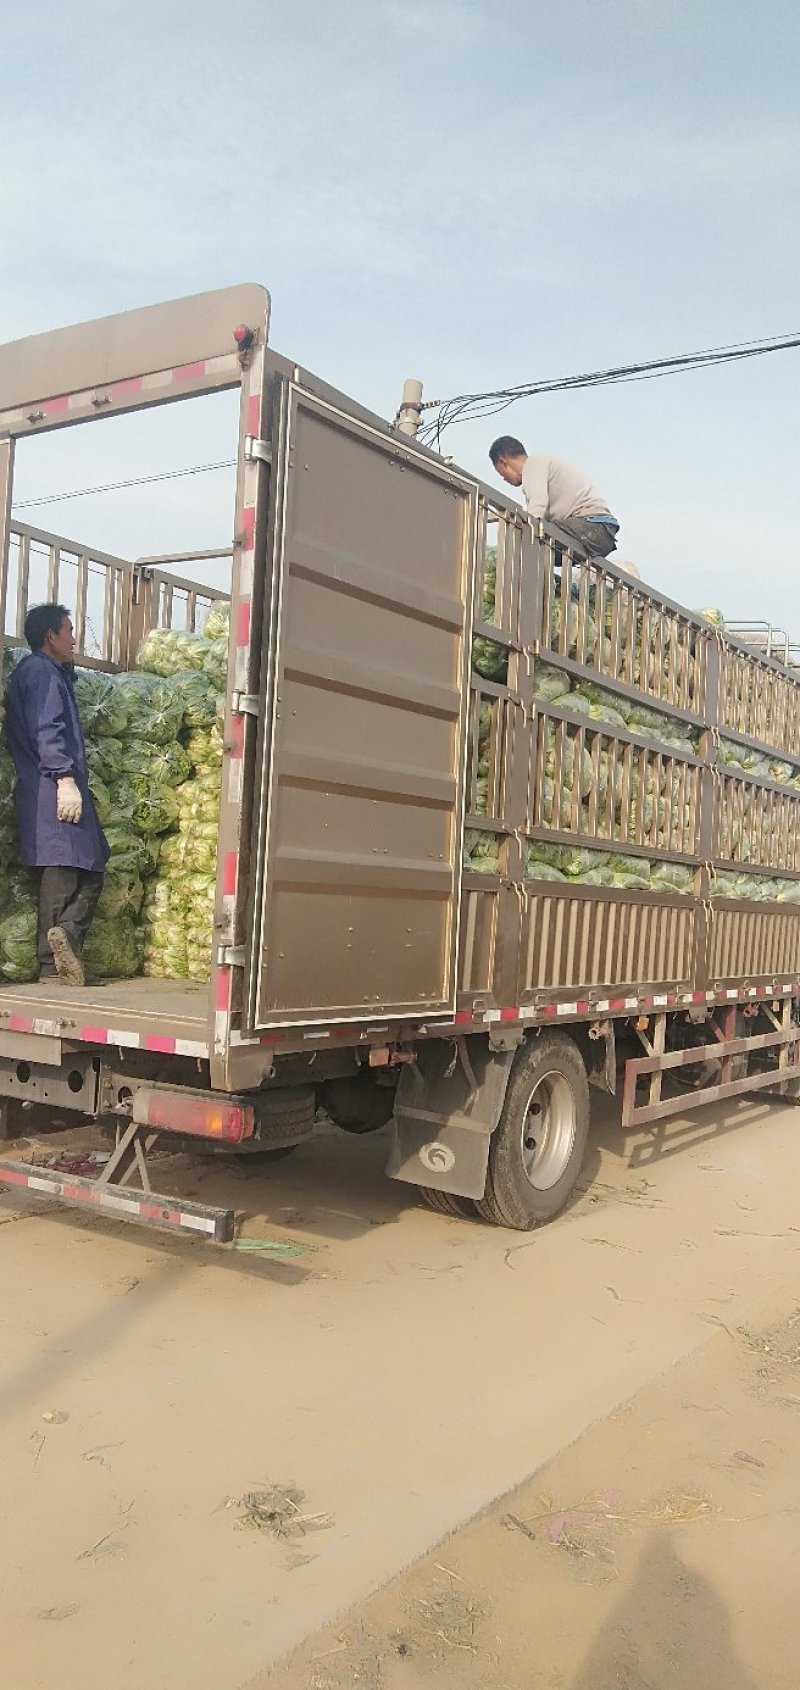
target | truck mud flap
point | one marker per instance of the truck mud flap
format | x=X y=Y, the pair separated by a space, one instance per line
x=447 y=1107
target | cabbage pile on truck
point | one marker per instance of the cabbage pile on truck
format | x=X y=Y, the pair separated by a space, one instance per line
x=571 y=779
x=154 y=751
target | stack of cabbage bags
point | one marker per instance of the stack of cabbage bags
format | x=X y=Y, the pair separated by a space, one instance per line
x=178 y=907
x=762 y=887
x=132 y=724
x=742 y=759
x=482 y=773
x=179 y=904
x=154 y=752
x=18 y=900
x=488 y=658
x=601 y=868
x=481 y=852
x=576 y=774
x=658 y=804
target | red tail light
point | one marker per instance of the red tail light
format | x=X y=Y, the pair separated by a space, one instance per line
x=170 y=1112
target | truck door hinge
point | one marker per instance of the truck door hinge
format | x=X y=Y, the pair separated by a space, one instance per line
x=257 y=451
x=244 y=703
x=230 y=956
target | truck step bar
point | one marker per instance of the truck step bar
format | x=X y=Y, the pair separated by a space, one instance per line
x=110 y=1193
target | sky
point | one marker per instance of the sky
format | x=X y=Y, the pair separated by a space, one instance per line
x=470 y=193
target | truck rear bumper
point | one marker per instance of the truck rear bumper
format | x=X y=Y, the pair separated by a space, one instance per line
x=216 y=1225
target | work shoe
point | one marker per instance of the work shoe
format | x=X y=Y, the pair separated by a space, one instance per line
x=53 y=979
x=68 y=964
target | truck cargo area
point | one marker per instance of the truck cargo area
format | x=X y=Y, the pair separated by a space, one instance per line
x=166 y=1009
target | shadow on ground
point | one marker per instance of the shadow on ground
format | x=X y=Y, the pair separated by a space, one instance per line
x=668 y=1621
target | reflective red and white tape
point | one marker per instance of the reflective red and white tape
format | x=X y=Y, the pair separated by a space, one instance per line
x=116 y=1037
x=98 y=1196
x=182 y=376
x=643 y=1005
x=466 y=1020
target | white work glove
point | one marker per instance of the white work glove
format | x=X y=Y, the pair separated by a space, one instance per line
x=69 y=803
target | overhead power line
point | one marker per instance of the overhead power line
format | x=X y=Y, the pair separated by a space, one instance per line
x=465 y=407
x=117 y=486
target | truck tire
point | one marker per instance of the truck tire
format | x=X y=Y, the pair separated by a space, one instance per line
x=282 y=1114
x=252 y=1151
x=285 y=1110
x=537 y=1151
x=447 y=1203
x=356 y=1104
x=285 y=1115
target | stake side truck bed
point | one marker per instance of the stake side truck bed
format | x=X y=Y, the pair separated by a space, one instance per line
x=360 y=962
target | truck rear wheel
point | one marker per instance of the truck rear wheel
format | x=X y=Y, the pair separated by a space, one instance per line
x=285 y=1114
x=447 y=1203
x=537 y=1151
x=357 y=1104
x=252 y=1151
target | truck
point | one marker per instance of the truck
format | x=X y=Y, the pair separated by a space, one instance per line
x=499 y=823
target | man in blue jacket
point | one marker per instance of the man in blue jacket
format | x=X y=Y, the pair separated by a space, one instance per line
x=59 y=833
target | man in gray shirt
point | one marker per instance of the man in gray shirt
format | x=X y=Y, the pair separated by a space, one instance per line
x=557 y=492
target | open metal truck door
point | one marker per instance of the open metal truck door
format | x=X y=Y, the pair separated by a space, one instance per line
x=359 y=816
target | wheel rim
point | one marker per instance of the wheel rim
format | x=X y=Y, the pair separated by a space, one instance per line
x=549 y=1125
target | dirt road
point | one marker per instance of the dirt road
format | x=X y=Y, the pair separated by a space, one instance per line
x=403 y=1376
x=661 y=1550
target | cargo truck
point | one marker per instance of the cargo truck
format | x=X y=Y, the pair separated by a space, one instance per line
x=498 y=822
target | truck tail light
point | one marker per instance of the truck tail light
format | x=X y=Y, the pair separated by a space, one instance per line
x=211 y=1117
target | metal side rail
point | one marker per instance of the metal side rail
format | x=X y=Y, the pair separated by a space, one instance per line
x=725 y=1047
x=111 y=1194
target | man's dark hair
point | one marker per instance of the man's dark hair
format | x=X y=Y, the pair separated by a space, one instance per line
x=41 y=620
x=506 y=446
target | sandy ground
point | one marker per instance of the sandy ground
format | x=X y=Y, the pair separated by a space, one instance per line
x=661 y=1550
x=405 y=1375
